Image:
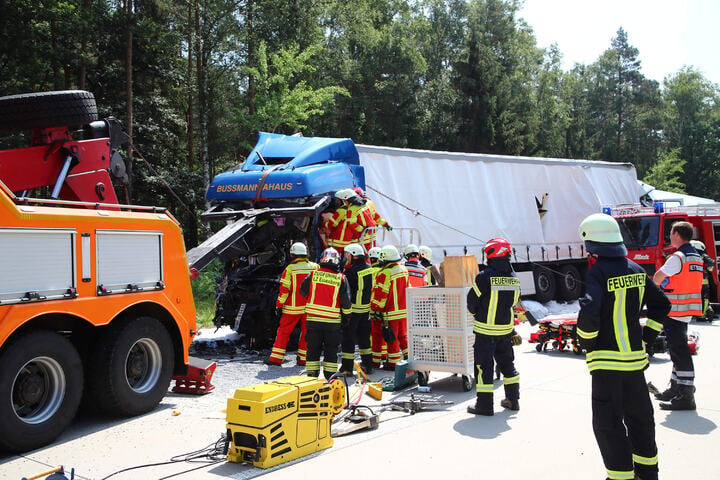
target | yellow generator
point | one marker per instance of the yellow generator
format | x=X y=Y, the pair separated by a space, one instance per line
x=278 y=421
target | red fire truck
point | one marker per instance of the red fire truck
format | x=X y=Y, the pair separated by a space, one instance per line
x=646 y=232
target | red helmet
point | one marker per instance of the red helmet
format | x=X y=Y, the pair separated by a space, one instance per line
x=359 y=191
x=497 y=247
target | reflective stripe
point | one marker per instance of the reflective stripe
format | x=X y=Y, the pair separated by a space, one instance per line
x=645 y=460
x=613 y=355
x=311 y=318
x=511 y=380
x=492 y=308
x=620 y=474
x=586 y=335
x=657 y=326
x=492 y=330
x=476 y=290
x=618 y=366
x=620 y=321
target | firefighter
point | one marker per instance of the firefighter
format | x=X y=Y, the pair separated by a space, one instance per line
x=708 y=265
x=377 y=218
x=681 y=276
x=426 y=261
x=328 y=304
x=292 y=305
x=388 y=307
x=356 y=331
x=348 y=222
x=494 y=293
x=380 y=353
x=609 y=330
x=417 y=274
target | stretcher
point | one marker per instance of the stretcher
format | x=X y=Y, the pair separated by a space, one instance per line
x=558 y=332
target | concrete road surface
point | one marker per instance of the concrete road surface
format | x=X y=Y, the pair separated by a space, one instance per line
x=549 y=438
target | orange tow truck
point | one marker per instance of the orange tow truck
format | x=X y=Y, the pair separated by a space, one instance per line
x=95 y=297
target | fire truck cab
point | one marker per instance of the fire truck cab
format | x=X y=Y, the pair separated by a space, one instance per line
x=646 y=233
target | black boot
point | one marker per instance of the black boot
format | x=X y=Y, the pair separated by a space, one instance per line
x=684 y=400
x=483 y=405
x=510 y=404
x=668 y=394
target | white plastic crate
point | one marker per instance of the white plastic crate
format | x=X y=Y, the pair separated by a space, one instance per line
x=440 y=332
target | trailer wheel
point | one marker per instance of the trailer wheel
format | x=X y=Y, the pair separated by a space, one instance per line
x=40 y=390
x=130 y=368
x=30 y=111
x=467 y=383
x=545 y=285
x=569 y=283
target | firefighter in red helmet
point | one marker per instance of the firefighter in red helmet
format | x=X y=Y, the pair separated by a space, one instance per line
x=494 y=293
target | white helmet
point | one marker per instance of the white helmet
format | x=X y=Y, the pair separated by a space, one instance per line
x=425 y=252
x=330 y=255
x=411 y=248
x=698 y=245
x=355 y=250
x=374 y=252
x=345 y=194
x=298 y=249
x=389 y=253
x=601 y=235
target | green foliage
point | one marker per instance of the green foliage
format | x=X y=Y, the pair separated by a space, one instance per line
x=666 y=173
x=204 y=288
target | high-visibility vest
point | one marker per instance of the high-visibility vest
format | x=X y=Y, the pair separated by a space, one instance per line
x=323 y=300
x=684 y=288
x=388 y=295
x=417 y=274
x=289 y=297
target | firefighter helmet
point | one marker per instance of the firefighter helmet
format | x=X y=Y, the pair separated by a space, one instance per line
x=425 y=252
x=359 y=191
x=355 y=250
x=330 y=255
x=601 y=235
x=412 y=249
x=298 y=249
x=345 y=194
x=389 y=253
x=374 y=252
x=698 y=245
x=497 y=247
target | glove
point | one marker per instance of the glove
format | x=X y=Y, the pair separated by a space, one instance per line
x=387 y=332
x=376 y=316
x=516 y=339
x=388 y=227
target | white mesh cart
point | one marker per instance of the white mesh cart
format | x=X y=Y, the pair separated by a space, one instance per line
x=440 y=333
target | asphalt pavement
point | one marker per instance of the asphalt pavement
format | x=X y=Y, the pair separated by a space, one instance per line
x=549 y=438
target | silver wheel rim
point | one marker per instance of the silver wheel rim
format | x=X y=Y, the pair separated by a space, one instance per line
x=143 y=365
x=38 y=390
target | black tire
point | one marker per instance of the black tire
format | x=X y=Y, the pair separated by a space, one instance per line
x=40 y=390
x=467 y=383
x=130 y=367
x=569 y=283
x=422 y=378
x=545 y=285
x=47 y=109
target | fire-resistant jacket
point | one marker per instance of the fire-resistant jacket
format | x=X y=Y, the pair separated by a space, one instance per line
x=328 y=295
x=417 y=273
x=289 y=298
x=346 y=225
x=388 y=294
x=360 y=279
x=491 y=299
x=608 y=324
x=684 y=288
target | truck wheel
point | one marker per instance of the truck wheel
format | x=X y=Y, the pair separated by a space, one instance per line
x=47 y=109
x=569 y=283
x=545 y=286
x=40 y=390
x=130 y=367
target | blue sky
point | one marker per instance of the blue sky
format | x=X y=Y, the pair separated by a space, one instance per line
x=668 y=34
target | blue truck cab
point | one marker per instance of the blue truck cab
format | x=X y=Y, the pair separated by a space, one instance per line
x=284 y=169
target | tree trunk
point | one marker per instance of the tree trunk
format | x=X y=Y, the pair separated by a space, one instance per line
x=202 y=79
x=129 y=92
x=191 y=232
x=251 y=57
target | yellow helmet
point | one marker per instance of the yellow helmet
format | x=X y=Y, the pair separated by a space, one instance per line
x=601 y=235
x=425 y=252
x=389 y=253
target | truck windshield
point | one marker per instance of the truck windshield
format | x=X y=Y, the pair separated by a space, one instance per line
x=639 y=231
